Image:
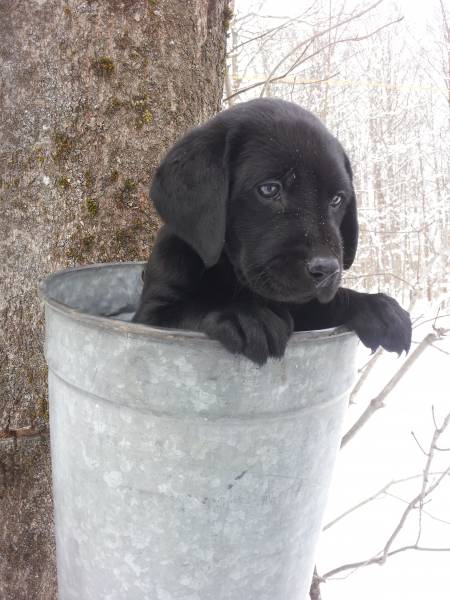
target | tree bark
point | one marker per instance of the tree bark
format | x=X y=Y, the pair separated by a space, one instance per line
x=92 y=94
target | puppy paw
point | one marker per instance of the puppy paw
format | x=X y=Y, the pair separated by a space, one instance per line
x=379 y=320
x=255 y=331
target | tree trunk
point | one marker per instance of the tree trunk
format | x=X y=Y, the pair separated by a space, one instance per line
x=92 y=94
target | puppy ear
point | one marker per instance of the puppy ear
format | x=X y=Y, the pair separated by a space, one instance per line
x=349 y=225
x=190 y=190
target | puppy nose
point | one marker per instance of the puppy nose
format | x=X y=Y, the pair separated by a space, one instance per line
x=320 y=268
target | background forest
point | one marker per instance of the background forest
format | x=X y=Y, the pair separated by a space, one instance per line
x=377 y=73
x=380 y=83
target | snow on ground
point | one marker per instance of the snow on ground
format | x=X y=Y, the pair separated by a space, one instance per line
x=385 y=450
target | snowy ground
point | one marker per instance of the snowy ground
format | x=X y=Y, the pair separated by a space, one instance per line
x=383 y=451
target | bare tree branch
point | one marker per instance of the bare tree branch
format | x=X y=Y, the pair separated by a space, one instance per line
x=273 y=30
x=378 y=402
x=302 y=59
x=305 y=44
x=383 y=491
x=367 y=370
x=418 y=443
x=352 y=17
x=314 y=591
x=433 y=320
x=379 y=560
x=425 y=512
x=417 y=502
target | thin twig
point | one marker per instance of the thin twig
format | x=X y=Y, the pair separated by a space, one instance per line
x=418 y=443
x=384 y=490
x=440 y=349
x=425 y=512
x=367 y=369
x=378 y=402
x=417 y=502
x=433 y=319
x=380 y=560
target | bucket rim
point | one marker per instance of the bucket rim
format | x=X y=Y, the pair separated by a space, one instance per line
x=151 y=331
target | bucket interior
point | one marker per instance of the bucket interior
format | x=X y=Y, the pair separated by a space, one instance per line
x=107 y=290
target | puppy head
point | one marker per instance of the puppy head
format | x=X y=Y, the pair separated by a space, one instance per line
x=266 y=183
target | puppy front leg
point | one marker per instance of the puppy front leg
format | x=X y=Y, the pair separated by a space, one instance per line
x=180 y=292
x=250 y=327
x=377 y=319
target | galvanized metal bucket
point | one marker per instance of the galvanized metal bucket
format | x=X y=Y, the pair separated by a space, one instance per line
x=181 y=471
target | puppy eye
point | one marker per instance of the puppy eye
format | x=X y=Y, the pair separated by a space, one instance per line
x=336 y=200
x=269 y=189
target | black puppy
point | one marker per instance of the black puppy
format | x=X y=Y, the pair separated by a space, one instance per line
x=260 y=220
